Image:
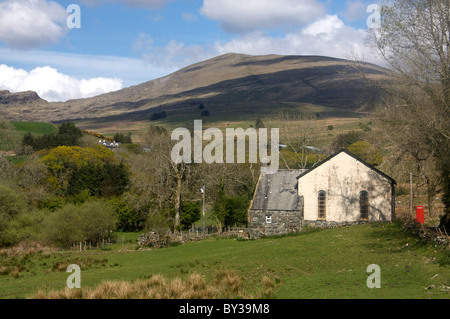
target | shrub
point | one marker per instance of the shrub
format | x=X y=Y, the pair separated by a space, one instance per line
x=367 y=152
x=11 y=203
x=26 y=227
x=189 y=214
x=122 y=138
x=131 y=214
x=68 y=135
x=71 y=223
x=158 y=116
x=231 y=211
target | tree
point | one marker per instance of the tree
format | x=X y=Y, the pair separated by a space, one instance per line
x=70 y=224
x=231 y=210
x=122 y=138
x=158 y=116
x=259 y=124
x=345 y=140
x=8 y=136
x=303 y=136
x=414 y=39
x=68 y=135
x=169 y=180
x=63 y=161
x=11 y=205
x=366 y=152
x=190 y=212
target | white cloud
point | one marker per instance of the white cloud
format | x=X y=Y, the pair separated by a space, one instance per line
x=132 y=71
x=52 y=85
x=355 y=10
x=173 y=56
x=26 y=24
x=328 y=36
x=250 y=15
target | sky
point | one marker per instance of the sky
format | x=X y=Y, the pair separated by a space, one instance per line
x=81 y=48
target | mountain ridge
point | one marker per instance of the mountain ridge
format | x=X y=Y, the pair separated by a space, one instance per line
x=227 y=83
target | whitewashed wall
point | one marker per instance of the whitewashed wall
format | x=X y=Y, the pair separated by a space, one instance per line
x=343 y=178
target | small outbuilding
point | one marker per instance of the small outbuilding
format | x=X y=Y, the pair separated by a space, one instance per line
x=277 y=207
x=342 y=189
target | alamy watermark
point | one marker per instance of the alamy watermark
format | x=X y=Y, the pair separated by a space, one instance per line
x=374 y=280
x=74 y=280
x=236 y=140
x=74 y=18
x=374 y=19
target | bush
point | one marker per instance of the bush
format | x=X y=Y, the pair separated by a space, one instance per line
x=231 y=211
x=70 y=224
x=68 y=135
x=11 y=203
x=189 y=214
x=367 y=152
x=27 y=226
x=443 y=259
x=131 y=214
x=122 y=138
x=158 y=116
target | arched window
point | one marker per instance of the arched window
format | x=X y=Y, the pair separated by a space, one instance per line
x=364 y=205
x=322 y=206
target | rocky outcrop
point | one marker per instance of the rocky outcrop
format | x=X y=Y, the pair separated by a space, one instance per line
x=6 y=97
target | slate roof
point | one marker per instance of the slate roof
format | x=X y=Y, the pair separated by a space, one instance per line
x=277 y=192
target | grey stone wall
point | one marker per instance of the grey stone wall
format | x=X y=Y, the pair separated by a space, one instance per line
x=282 y=222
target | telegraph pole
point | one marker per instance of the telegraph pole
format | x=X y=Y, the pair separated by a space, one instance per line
x=203 y=190
x=411 y=194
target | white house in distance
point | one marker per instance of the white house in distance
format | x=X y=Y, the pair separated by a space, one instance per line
x=343 y=188
x=339 y=190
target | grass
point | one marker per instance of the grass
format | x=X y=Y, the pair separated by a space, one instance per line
x=36 y=128
x=321 y=264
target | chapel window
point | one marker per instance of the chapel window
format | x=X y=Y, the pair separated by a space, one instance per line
x=364 y=205
x=322 y=207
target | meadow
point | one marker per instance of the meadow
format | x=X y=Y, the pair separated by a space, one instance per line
x=37 y=128
x=316 y=264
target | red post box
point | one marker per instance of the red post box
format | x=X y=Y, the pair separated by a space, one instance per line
x=420 y=214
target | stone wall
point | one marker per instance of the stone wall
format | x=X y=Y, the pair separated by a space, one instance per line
x=270 y=223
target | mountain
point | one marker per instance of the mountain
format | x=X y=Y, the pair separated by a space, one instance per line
x=230 y=86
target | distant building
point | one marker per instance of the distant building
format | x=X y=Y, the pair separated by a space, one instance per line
x=111 y=145
x=341 y=189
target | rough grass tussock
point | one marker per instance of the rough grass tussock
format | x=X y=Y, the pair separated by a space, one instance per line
x=227 y=285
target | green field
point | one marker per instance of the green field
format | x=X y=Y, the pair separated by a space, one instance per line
x=314 y=265
x=36 y=128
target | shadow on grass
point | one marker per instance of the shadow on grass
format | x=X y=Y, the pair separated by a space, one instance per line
x=391 y=237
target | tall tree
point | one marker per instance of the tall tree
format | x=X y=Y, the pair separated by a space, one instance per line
x=414 y=39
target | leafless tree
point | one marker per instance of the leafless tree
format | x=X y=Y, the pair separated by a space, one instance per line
x=302 y=134
x=414 y=39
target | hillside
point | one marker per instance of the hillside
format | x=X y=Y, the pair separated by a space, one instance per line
x=230 y=85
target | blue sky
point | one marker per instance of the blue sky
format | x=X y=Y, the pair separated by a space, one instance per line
x=127 y=42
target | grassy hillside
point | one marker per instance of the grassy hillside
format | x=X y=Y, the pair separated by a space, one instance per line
x=36 y=128
x=317 y=264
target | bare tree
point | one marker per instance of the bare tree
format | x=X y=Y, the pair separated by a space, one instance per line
x=414 y=39
x=302 y=135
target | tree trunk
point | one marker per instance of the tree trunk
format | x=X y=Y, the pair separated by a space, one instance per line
x=177 y=202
